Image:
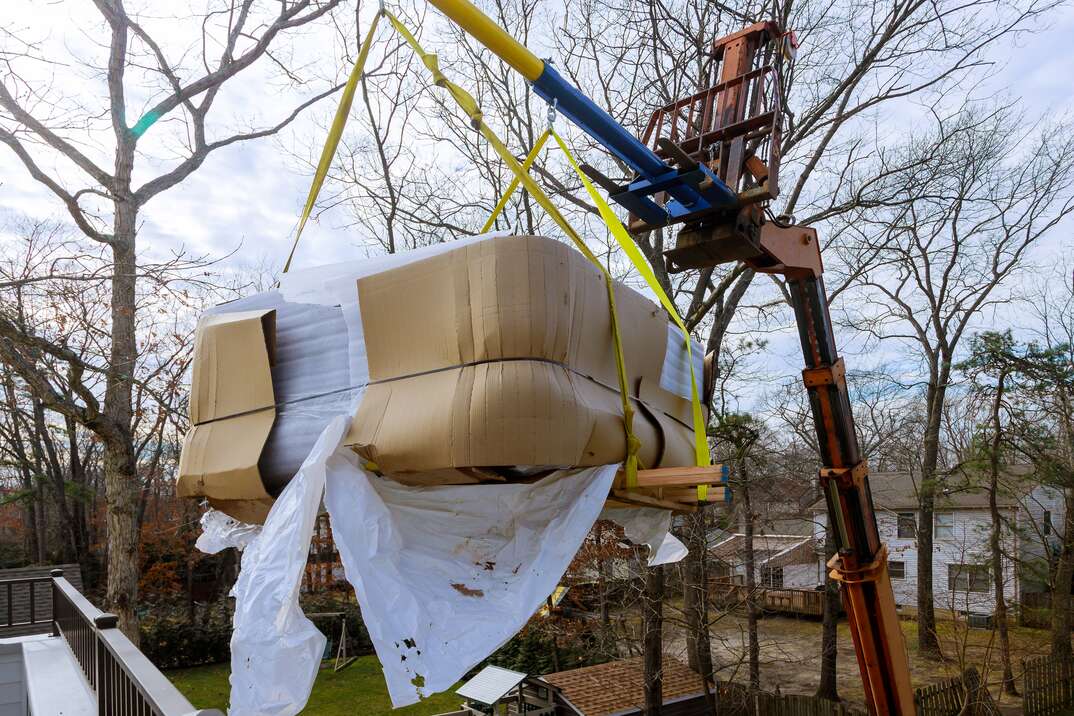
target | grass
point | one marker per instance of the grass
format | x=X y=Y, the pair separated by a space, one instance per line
x=357 y=689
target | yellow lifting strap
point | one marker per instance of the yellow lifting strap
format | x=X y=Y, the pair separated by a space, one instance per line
x=469 y=105
x=334 y=134
x=701 y=447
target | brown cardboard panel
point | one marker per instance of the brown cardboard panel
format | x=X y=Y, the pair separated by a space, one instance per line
x=252 y=512
x=650 y=393
x=448 y=340
x=500 y=414
x=232 y=358
x=219 y=459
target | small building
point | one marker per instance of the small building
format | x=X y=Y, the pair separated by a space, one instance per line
x=617 y=688
x=961 y=572
x=780 y=561
x=495 y=690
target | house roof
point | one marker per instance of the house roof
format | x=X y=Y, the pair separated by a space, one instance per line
x=619 y=686
x=768 y=550
x=490 y=685
x=898 y=491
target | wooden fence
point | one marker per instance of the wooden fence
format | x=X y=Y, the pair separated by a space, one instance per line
x=947 y=698
x=809 y=602
x=738 y=700
x=1048 y=688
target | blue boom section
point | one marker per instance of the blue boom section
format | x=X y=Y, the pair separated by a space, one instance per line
x=686 y=199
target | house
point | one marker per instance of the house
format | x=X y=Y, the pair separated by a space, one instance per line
x=780 y=561
x=961 y=571
x=617 y=688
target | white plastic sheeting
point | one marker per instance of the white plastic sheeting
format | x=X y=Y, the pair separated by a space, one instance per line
x=275 y=649
x=220 y=531
x=445 y=575
x=648 y=525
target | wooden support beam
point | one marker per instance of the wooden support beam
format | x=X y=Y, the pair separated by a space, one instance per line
x=716 y=493
x=674 y=477
x=639 y=500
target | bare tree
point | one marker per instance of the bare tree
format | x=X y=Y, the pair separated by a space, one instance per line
x=182 y=86
x=985 y=191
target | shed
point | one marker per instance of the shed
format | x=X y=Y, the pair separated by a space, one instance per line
x=617 y=688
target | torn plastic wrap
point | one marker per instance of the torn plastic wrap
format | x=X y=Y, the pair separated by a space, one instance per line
x=445 y=575
x=220 y=531
x=649 y=526
x=275 y=650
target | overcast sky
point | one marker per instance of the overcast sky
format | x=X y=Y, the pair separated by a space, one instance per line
x=246 y=198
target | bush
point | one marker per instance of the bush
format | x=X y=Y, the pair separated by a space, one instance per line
x=171 y=641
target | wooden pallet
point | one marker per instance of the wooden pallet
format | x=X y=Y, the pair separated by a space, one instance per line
x=670 y=488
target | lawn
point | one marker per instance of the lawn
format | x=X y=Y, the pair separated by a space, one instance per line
x=357 y=689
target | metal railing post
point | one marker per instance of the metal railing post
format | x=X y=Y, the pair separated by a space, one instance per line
x=55 y=574
x=104 y=685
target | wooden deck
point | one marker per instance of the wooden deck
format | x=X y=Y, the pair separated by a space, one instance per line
x=806 y=602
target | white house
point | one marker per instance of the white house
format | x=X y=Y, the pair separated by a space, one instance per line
x=780 y=561
x=961 y=565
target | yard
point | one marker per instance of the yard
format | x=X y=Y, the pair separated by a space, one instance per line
x=790 y=654
x=357 y=689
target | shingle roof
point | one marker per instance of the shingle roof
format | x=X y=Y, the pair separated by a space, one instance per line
x=619 y=686
x=898 y=490
x=768 y=550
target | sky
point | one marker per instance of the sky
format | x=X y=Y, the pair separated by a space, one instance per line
x=243 y=204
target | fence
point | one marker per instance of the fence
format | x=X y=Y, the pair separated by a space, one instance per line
x=1048 y=688
x=946 y=698
x=124 y=680
x=809 y=602
x=739 y=700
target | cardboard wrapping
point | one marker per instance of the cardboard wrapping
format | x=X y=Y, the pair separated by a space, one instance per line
x=487 y=359
x=500 y=353
x=232 y=408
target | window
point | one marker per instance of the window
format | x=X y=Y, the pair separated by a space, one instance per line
x=967 y=577
x=772 y=577
x=945 y=525
x=907 y=525
x=897 y=570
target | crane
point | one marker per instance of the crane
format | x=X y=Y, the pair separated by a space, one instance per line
x=709 y=162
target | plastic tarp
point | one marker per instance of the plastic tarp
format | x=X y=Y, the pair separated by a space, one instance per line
x=649 y=526
x=446 y=575
x=275 y=650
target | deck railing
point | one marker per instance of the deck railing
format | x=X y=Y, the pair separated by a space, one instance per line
x=809 y=602
x=14 y=590
x=121 y=676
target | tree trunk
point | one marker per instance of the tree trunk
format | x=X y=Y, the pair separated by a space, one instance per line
x=754 y=647
x=927 y=642
x=120 y=470
x=652 y=639
x=1064 y=574
x=995 y=541
x=695 y=595
x=829 y=641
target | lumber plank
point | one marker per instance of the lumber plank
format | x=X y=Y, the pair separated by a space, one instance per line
x=647 y=501
x=674 y=476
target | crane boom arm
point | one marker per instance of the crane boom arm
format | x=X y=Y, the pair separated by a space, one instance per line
x=693 y=190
